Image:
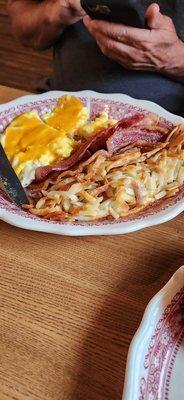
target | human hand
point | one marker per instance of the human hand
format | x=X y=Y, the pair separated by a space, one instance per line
x=155 y=49
x=68 y=12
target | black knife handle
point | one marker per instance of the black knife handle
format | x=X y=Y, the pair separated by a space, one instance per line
x=11 y=183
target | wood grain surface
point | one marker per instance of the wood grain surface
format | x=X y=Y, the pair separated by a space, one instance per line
x=70 y=306
x=20 y=66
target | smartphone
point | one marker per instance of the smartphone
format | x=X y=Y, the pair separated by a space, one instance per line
x=127 y=12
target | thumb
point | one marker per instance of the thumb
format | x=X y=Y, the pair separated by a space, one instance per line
x=154 y=17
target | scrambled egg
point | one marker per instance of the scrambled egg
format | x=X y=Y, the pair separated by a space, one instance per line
x=69 y=114
x=90 y=128
x=31 y=140
x=30 y=143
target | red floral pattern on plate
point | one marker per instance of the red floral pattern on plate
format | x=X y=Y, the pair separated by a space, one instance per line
x=162 y=351
x=116 y=109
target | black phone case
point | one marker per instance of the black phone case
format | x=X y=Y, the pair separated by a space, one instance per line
x=126 y=12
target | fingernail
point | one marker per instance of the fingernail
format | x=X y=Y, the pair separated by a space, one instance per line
x=157 y=7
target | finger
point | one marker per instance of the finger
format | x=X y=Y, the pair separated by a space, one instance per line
x=86 y=21
x=135 y=66
x=152 y=12
x=119 y=32
x=156 y=20
x=121 y=49
x=129 y=56
x=75 y=6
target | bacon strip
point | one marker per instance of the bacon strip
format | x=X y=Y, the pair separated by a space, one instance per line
x=123 y=137
x=93 y=144
x=128 y=130
x=102 y=137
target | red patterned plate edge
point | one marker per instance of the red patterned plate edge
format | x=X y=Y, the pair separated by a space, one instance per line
x=163 y=347
x=168 y=303
x=170 y=369
x=150 y=210
x=97 y=104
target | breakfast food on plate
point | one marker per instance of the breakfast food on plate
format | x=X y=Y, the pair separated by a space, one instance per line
x=77 y=169
x=31 y=141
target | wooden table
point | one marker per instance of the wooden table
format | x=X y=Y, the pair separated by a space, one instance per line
x=70 y=306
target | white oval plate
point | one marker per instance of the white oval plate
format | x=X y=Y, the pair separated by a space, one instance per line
x=155 y=365
x=119 y=106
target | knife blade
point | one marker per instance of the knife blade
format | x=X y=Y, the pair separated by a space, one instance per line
x=11 y=183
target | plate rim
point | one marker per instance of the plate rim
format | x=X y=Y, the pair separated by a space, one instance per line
x=56 y=93
x=77 y=230
x=166 y=293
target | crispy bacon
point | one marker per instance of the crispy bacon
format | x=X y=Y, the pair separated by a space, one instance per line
x=102 y=137
x=43 y=172
x=124 y=137
x=128 y=130
x=93 y=144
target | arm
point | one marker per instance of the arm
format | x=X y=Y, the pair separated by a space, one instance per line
x=39 y=23
x=156 y=49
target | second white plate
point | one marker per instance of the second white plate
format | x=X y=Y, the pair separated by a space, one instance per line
x=155 y=365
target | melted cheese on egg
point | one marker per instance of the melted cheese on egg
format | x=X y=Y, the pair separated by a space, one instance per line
x=69 y=114
x=29 y=141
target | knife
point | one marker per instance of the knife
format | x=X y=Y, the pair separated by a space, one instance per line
x=11 y=183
